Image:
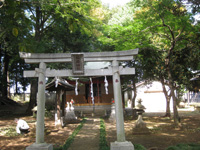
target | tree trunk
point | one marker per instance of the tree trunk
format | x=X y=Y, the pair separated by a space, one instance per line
x=33 y=96
x=171 y=86
x=16 y=89
x=168 y=97
x=1 y=79
x=34 y=84
x=5 y=73
x=168 y=112
x=8 y=87
x=133 y=101
x=176 y=116
x=123 y=100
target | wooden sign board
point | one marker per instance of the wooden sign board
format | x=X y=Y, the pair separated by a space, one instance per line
x=77 y=63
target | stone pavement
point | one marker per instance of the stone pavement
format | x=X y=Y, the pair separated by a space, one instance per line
x=88 y=136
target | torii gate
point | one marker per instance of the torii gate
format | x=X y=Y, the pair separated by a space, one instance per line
x=78 y=60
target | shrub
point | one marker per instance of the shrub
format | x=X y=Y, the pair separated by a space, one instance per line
x=139 y=147
x=184 y=147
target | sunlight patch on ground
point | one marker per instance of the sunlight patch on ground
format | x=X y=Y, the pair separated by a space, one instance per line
x=8 y=131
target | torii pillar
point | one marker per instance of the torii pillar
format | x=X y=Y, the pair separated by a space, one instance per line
x=121 y=143
x=40 y=144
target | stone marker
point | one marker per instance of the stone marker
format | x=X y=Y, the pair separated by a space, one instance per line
x=140 y=126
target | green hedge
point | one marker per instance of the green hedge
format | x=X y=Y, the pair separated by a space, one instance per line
x=103 y=145
x=184 y=147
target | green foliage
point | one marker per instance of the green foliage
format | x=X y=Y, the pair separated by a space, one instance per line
x=121 y=15
x=15 y=32
x=71 y=137
x=49 y=107
x=8 y=131
x=184 y=147
x=103 y=145
x=139 y=147
x=48 y=114
x=45 y=26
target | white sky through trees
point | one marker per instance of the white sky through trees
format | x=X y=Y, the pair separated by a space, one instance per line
x=114 y=3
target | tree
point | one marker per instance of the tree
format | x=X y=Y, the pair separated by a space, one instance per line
x=168 y=25
x=12 y=31
x=57 y=27
x=162 y=30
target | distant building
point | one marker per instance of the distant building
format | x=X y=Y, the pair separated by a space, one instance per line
x=152 y=96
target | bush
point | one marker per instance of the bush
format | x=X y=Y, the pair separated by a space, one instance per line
x=48 y=114
x=184 y=147
x=139 y=147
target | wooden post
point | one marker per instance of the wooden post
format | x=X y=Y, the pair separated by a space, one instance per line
x=57 y=115
x=98 y=90
x=63 y=103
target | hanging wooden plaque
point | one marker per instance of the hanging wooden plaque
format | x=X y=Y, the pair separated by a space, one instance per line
x=77 y=63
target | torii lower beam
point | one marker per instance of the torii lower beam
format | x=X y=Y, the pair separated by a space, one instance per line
x=88 y=72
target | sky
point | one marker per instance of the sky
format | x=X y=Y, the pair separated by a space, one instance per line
x=114 y=3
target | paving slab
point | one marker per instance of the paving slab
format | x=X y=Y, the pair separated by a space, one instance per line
x=88 y=136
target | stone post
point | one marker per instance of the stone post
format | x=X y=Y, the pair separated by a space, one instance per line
x=40 y=144
x=41 y=104
x=118 y=102
x=121 y=142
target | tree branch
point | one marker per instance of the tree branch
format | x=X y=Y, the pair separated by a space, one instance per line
x=30 y=10
x=178 y=36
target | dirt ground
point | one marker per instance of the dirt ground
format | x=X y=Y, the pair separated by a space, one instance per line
x=20 y=142
x=162 y=132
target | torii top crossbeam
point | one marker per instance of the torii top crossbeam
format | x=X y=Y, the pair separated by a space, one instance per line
x=88 y=57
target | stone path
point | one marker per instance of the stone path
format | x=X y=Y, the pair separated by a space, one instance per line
x=88 y=136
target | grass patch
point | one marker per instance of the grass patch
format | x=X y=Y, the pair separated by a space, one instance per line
x=184 y=147
x=156 y=129
x=8 y=131
x=71 y=137
x=103 y=145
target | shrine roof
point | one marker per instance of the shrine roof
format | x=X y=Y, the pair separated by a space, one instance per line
x=59 y=84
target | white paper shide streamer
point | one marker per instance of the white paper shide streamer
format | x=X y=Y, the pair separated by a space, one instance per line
x=91 y=90
x=106 y=85
x=56 y=82
x=76 y=88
